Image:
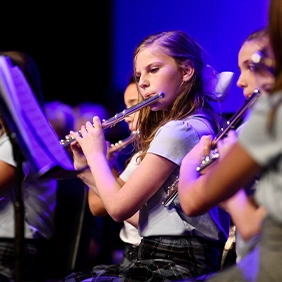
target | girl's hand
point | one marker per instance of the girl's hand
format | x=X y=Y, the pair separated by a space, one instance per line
x=224 y=145
x=92 y=140
x=200 y=150
x=79 y=160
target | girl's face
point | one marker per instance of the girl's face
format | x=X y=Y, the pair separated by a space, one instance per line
x=131 y=98
x=248 y=79
x=157 y=72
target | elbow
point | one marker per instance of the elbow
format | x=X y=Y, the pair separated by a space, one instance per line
x=117 y=218
x=119 y=215
x=191 y=207
x=249 y=233
x=252 y=227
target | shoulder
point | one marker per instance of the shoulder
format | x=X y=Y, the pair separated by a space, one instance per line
x=176 y=138
x=197 y=125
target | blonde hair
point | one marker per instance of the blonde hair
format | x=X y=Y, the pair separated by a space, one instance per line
x=194 y=95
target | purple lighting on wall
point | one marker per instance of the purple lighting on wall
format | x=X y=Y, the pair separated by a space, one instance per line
x=219 y=26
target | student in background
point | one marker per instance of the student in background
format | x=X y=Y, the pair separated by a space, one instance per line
x=61 y=117
x=39 y=197
x=86 y=110
x=246 y=214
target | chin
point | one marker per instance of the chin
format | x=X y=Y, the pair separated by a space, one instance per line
x=154 y=108
x=158 y=107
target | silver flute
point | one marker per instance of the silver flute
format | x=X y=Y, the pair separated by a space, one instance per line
x=118 y=117
x=123 y=143
x=214 y=155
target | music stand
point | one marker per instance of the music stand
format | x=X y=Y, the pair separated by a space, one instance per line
x=33 y=140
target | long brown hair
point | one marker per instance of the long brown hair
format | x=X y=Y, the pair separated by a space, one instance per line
x=275 y=37
x=193 y=95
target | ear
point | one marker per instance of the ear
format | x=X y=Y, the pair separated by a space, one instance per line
x=188 y=71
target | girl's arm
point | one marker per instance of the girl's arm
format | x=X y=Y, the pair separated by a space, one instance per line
x=246 y=216
x=233 y=170
x=95 y=204
x=134 y=220
x=123 y=203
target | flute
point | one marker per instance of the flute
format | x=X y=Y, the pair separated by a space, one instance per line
x=214 y=155
x=119 y=116
x=123 y=143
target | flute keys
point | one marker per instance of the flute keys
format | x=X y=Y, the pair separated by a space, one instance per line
x=207 y=160
x=172 y=193
x=67 y=140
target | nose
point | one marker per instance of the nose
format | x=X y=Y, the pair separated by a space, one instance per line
x=241 y=82
x=143 y=82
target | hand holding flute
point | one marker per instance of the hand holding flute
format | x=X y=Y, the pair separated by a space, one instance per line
x=214 y=154
x=94 y=133
x=199 y=152
x=190 y=162
x=202 y=149
x=91 y=139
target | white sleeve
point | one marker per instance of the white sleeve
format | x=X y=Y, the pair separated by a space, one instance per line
x=132 y=165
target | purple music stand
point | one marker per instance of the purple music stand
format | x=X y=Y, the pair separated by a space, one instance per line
x=33 y=140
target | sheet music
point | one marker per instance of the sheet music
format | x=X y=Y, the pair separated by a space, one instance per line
x=33 y=133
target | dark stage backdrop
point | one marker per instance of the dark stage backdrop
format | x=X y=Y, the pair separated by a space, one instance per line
x=220 y=26
x=70 y=44
x=84 y=50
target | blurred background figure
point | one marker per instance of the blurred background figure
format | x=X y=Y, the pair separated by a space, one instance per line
x=86 y=110
x=61 y=117
x=39 y=197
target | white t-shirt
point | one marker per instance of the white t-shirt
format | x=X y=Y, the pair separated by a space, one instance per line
x=39 y=199
x=173 y=141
